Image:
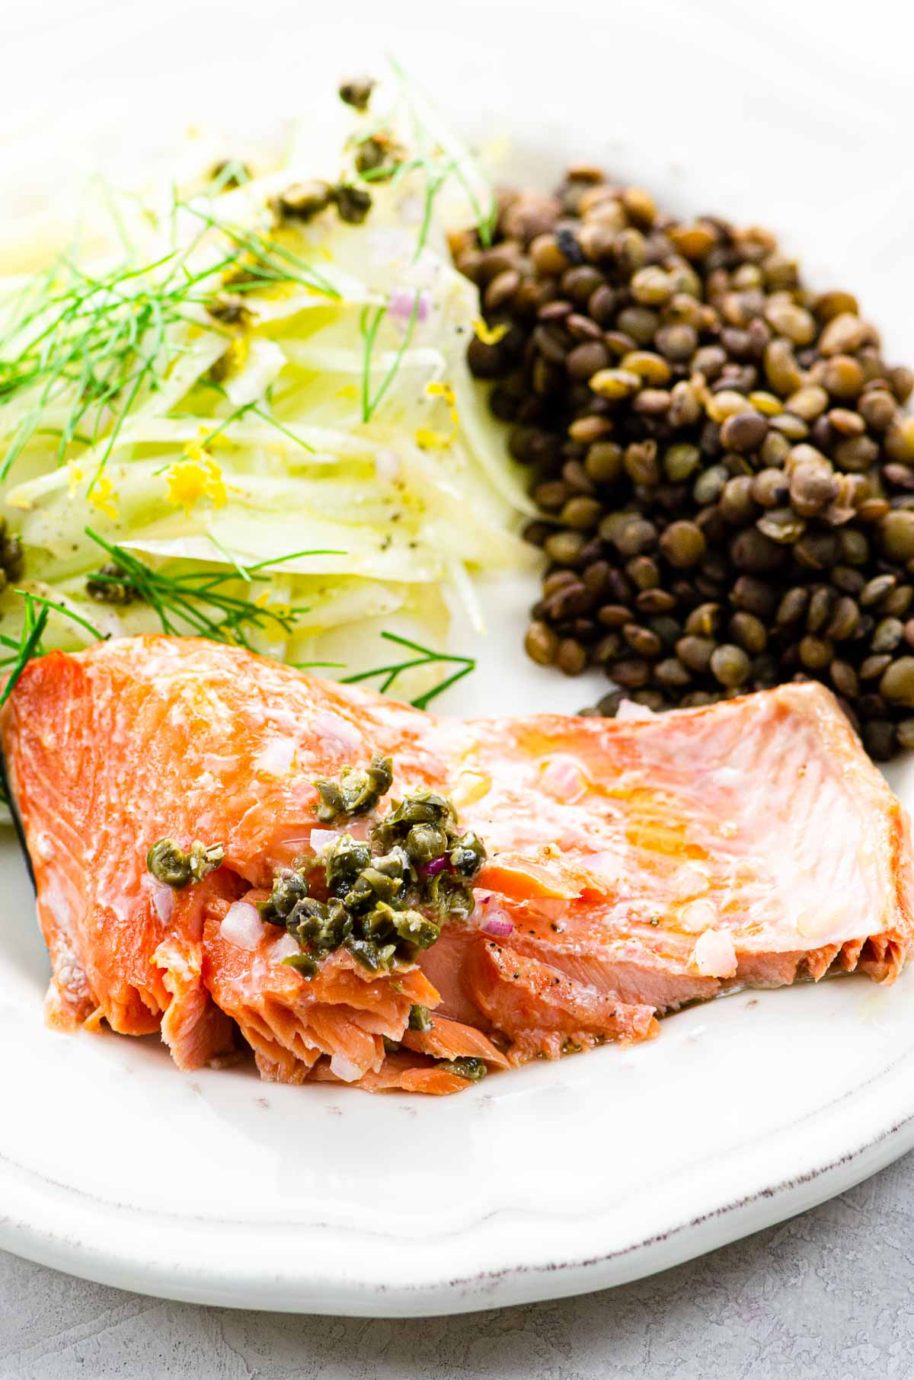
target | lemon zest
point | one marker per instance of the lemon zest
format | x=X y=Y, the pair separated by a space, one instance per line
x=429 y=439
x=195 y=477
x=103 y=496
x=280 y=609
x=489 y=335
x=426 y=437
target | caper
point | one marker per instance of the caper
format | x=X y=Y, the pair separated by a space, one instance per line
x=468 y=855
x=177 y=867
x=356 y=91
x=109 y=585
x=356 y=792
x=290 y=886
x=304 y=200
x=352 y=203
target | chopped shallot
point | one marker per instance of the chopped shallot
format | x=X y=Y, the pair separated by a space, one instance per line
x=242 y=925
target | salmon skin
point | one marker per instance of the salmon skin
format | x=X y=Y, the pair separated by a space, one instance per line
x=633 y=866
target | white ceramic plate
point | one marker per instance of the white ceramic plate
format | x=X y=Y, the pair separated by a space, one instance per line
x=557 y=1178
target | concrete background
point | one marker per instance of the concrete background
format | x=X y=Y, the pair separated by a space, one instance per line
x=829 y=1294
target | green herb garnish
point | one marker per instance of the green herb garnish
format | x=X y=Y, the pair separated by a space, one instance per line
x=370 y=319
x=425 y=656
x=200 y=600
x=29 y=645
x=94 y=347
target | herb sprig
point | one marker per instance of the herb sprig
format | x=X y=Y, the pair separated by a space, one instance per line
x=200 y=600
x=424 y=656
x=370 y=319
x=35 y=614
x=91 y=348
x=437 y=164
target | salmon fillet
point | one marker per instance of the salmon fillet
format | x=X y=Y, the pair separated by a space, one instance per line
x=633 y=866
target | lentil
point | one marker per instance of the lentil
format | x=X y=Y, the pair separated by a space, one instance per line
x=722 y=458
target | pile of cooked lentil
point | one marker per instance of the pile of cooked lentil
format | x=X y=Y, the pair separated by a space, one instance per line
x=721 y=456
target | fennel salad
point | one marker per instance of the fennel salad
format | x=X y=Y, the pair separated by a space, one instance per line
x=239 y=406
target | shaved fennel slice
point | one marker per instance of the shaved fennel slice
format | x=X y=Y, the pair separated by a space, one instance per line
x=331 y=409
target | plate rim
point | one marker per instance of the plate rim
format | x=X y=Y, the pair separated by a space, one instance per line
x=513 y=1284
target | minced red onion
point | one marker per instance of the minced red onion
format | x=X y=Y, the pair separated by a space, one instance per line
x=286 y=947
x=631 y=709
x=242 y=925
x=322 y=838
x=564 y=778
x=407 y=304
x=275 y=757
x=344 y=1068
x=332 y=729
x=163 y=898
x=434 y=867
x=498 y=924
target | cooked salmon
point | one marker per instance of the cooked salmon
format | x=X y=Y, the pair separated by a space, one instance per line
x=633 y=866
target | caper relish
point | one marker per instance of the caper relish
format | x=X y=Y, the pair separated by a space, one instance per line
x=177 y=867
x=356 y=792
x=384 y=898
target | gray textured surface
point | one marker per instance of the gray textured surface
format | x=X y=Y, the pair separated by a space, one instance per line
x=829 y=1294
